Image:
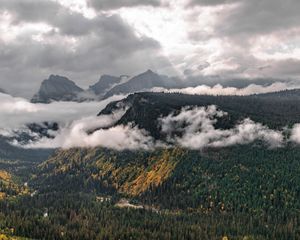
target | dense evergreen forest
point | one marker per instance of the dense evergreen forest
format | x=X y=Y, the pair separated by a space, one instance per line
x=242 y=192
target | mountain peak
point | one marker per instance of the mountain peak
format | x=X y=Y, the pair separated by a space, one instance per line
x=58 y=78
x=52 y=76
x=57 y=88
x=149 y=71
x=105 y=83
x=143 y=81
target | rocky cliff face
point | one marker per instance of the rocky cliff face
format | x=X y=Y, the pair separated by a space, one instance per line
x=146 y=80
x=105 y=83
x=57 y=88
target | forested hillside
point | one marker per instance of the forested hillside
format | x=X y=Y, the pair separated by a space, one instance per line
x=235 y=192
x=272 y=110
x=178 y=178
x=245 y=191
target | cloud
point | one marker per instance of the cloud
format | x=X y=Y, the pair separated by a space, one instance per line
x=192 y=3
x=220 y=90
x=191 y=128
x=229 y=38
x=39 y=38
x=196 y=70
x=79 y=125
x=240 y=36
x=82 y=133
x=261 y=17
x=30 y=10
x=194 y=128
x=17 y=112
x=295 y=134
x=285 y=67
x=103 y=5
x=255 y=16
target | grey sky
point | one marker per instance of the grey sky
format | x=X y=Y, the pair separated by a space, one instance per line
x=86 y=38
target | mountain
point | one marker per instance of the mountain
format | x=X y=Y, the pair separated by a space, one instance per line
x=105 y=83
x=57 y=88
x=144 y=109
x=146 y=80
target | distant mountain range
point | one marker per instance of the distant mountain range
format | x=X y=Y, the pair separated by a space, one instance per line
x=59 y=88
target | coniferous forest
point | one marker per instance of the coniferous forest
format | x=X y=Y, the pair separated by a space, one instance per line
x=242 y=192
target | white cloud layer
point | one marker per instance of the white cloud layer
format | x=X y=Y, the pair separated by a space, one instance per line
x=16 y=112
x=295 y=134
x=196 y=129
x=78 y=134
x=192 y=128
x=79 y=125
x=220 y=90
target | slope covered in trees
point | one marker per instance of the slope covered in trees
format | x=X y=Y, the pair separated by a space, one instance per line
x=240 y=192
x=273 y=110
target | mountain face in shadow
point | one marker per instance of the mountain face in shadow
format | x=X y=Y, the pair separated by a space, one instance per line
x=57 y=88
x=105 y=83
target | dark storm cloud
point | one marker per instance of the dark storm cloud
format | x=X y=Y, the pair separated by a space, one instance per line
x=52 y=13
x=30 y=10
x=104 y=44
x=262 y=17
x=230 y=41
x=254 y=16
x=115 y=4
x=285 y=67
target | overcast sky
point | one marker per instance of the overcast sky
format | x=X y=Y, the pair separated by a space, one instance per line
x=83 y=39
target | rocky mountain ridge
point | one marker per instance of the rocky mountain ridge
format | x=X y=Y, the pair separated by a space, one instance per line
x=59 y=88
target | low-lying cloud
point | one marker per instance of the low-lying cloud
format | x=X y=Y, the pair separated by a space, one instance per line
x=79 y=125
x=16 y=112
x=191 y=128
x=194 y=128
x=220 y=90
x=82 y=133
x=295 y=134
